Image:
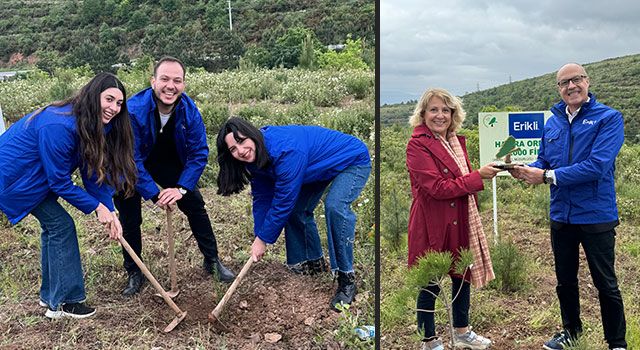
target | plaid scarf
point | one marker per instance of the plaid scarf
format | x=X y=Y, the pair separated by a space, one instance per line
x=482 y=269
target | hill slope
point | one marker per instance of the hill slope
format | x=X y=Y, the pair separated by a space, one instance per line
x=112 y=31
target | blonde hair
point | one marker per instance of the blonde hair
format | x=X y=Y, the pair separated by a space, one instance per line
x=453 y=102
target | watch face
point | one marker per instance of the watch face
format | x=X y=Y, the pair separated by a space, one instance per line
x=182 y=191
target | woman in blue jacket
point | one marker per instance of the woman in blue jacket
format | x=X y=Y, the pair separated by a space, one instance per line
x=38 y=154
x=289 y=168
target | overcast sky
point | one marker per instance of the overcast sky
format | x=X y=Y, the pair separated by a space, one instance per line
x=462 y=44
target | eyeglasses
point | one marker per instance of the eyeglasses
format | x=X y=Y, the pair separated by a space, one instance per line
x=575 y=80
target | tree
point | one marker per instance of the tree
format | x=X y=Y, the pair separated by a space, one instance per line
x=287 y=49
x=307 y=55
x=349 y=58
x=433 y=268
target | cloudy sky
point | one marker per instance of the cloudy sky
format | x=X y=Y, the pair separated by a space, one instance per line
x=461 y=45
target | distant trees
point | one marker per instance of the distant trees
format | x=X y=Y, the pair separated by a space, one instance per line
x=101 y=33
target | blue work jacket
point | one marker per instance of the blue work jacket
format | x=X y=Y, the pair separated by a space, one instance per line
x=582 y=155
x=38 y=156
x=299 y=155
x=190 y=138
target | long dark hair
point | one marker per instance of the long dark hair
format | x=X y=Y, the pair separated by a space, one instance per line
x=233 y=175
x=110 y=157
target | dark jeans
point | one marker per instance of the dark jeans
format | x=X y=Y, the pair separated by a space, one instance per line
x=191 y=204
x=599 y=250
x=427 y=301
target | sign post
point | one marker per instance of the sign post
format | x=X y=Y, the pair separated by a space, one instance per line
x=495 y=127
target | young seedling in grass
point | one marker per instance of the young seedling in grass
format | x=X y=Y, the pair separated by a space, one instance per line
x=433 y=268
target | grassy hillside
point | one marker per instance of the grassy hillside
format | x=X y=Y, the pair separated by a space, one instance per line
x=105 y=32
x=615 y=82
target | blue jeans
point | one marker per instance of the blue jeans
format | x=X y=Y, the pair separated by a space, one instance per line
x=62 y=280
x=301 y=233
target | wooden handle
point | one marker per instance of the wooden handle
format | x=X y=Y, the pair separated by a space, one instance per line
x=172 y=252
x=216 y=312
x=150 y=277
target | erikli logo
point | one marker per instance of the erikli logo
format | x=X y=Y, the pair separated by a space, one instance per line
x=590 y=122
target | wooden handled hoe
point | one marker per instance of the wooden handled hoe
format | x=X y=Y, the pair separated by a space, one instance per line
x=180 y=315
x=172 y=258
x=214 y=316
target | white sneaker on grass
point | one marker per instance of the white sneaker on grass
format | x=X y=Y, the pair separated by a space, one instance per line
x=433 y=345
x=470 y=340
x=73 y=310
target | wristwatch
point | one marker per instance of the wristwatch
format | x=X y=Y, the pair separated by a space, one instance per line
x=182 y=190
x=546 y=179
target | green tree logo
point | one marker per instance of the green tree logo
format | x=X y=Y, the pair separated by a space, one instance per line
x=489 y=121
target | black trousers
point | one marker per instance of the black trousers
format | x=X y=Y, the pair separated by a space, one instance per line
x=427 y=301
x=191 y=204
x=599 y=250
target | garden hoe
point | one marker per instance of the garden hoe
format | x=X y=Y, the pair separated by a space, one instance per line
x=172 y=258
x=180 y=315
x=214 y=316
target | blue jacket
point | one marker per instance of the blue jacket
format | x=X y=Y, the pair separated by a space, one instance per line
x=299 y=155
x=38 y=156
x=583 y=156
x=190 y=136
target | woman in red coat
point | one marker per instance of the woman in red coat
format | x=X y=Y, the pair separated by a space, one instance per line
x=444 y=215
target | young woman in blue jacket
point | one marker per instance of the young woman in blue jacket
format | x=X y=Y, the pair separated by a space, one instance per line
x=289 y=168
x=38 y=154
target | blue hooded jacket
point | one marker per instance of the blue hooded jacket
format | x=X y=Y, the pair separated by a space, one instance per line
x=582 y=155
x=299 y=155
x=190 y=137
x=38 y=156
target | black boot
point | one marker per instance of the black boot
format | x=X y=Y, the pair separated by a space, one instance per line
x=299 y=268
x=346 y=292
x=215 y=267
x=134 y=283
x=317 y=266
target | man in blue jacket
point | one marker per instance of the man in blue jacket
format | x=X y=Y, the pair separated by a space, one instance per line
x=577 y=159
x=170 y=150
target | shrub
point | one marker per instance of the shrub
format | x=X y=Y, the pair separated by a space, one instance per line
x=395 y=209
x=357 y=122
x=349 y=58
x=510 y=267
x=251 y=112
x=213 y=115
x=359 y=86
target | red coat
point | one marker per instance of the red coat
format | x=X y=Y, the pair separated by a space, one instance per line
x=439 y=216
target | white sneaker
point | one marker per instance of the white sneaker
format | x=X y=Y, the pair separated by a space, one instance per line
x=73 y=310
x=471 y=340
x=433 y=345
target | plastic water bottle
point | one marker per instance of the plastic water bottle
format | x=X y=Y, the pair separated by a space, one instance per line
x=365 y=332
